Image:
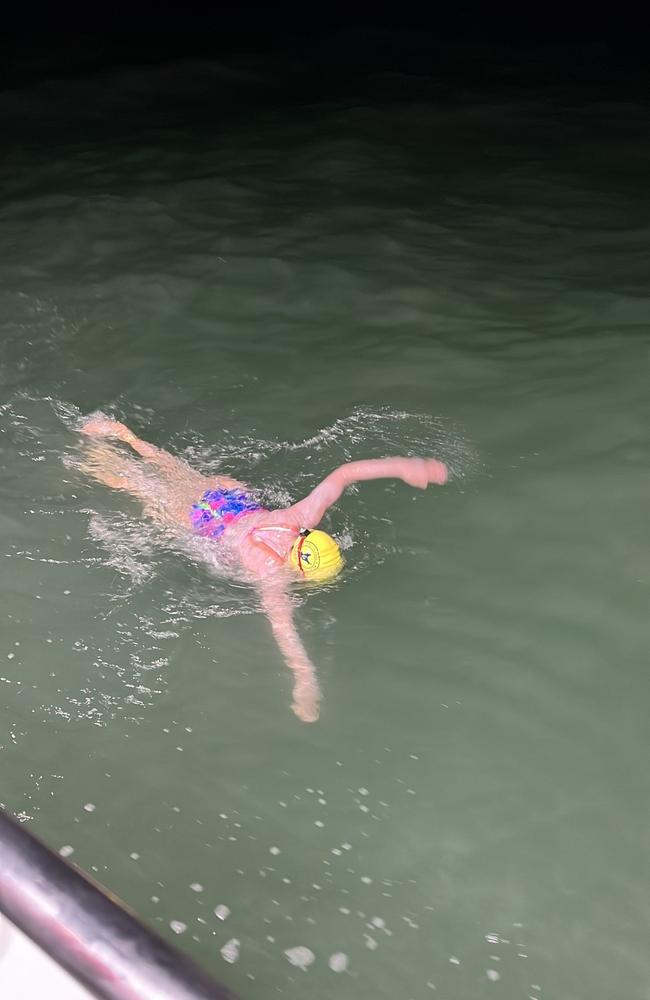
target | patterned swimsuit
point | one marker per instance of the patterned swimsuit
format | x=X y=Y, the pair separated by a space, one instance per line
x=218 y=508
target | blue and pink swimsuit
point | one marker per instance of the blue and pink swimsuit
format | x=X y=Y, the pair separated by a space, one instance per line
x=219 y=508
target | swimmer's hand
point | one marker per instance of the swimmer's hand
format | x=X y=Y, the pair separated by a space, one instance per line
x=419 y=472
x=306 y=698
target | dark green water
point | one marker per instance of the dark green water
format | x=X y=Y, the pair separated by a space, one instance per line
x=271 y=295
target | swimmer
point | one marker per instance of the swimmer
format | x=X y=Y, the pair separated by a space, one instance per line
x=273 y=548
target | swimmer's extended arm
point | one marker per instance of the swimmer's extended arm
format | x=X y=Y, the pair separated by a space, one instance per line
x=276 y=602
x=417 y=472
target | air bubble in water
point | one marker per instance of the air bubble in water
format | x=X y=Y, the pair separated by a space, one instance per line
x=230 y=951
x=338 y=962
x=300 y=956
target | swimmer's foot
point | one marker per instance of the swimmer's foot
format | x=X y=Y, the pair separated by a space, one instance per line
x=97 y=425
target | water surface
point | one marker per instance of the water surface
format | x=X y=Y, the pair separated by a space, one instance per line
x=271 y=293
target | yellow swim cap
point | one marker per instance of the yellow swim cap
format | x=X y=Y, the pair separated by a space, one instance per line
x=316 y=556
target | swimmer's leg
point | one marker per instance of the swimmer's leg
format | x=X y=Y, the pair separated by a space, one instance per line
x=109 y=466
x=100 y=426
x=165 y=498
x=97 y=425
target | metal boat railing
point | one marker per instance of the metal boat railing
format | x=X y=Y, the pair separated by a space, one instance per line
x=88 y=931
